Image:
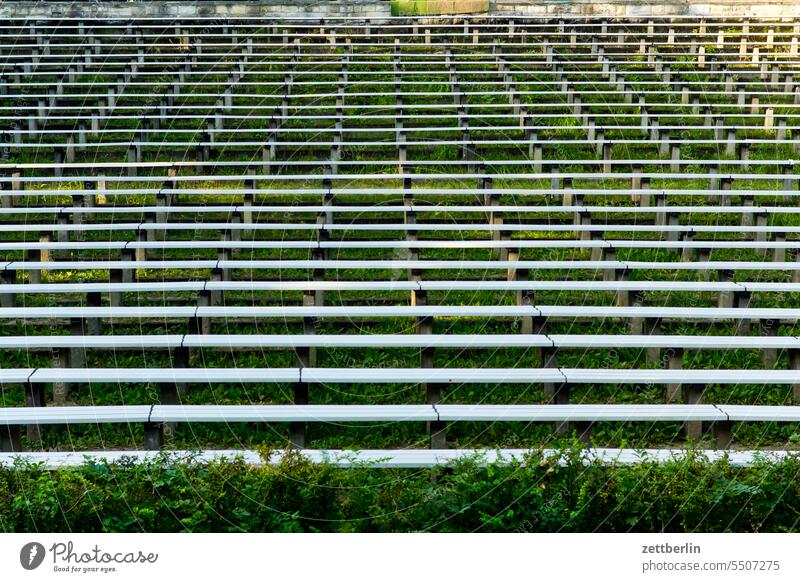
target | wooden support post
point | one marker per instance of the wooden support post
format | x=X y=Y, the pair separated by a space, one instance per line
x=535 y=151
x=201 y=325
x=550 y=360
x=644 y=196
x=34 y=397
x=726 y=184
x=562 y=396
x=761 y=222
x=779 y=253
x=652 y=326
x=675 y=157
x=664 y=143
x=722 y=434
x=268 y=155
x=10 y=439
x=744 y=155
x=741 y=300
x=794 y=364
x=153 y=436
x=747 y=202
x=730 y=142
x=674 y=361
x=713 y=180
x=672 y=220
x=644 y=116
x=249 y=197
x=687 y=252
x=306 y=357
x=93 y=325
x=165 y=198
x=632 y=298
x=58 y=159
x=437 y=430
x=693 y=394
x=583 y=432
x=769 y=328
x=636 y=183
x=788 y=181
x=7 y=277
x=35 y=256
x=61 y=359
x=609 y=254
x=725 y=298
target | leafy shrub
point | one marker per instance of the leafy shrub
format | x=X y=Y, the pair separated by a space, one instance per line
x=539 y=495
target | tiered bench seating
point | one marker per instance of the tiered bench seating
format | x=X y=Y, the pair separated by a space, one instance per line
x=210 y=223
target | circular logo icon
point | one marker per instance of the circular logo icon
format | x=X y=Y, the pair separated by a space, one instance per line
x=31 y=555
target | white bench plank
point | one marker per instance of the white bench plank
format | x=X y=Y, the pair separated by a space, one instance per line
x=437 y=375
x=400 y=375
x=400 y=458
x=358 y=311
x=365 y=264
x=689 y=342
x=144 y=342
x=427 y=285
x=579 y=412
x=74 y=414
x=599 y=341
x=136 y=375
x=15 y=375
x=293 y=413
x=628 y=376
x=738 y=412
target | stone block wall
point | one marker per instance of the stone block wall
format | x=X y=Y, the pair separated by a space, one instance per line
x=640 y=8
x=372 y=9
x=381 y=9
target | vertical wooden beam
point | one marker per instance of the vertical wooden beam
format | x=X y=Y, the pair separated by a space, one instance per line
x=794 y=364
x=10 y=439
x=34 y=397
x=693 y=394
x=722 y=434
x=306 y=357
x=437 y=430
x=769 y=328
x=153 y=436
x=674 y=361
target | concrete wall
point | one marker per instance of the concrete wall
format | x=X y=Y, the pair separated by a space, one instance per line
x=635 y=8
x=374 y=9
x=380 y=9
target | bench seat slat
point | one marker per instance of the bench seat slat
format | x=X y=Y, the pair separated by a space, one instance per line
x=293 y=413
x=398 y=458
x=580 y=412
x=399 y=375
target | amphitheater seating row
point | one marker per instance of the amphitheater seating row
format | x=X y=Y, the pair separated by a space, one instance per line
x=187 y=206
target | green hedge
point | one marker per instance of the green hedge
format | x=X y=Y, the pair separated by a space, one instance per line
x=690 y=495
x=438 y=7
